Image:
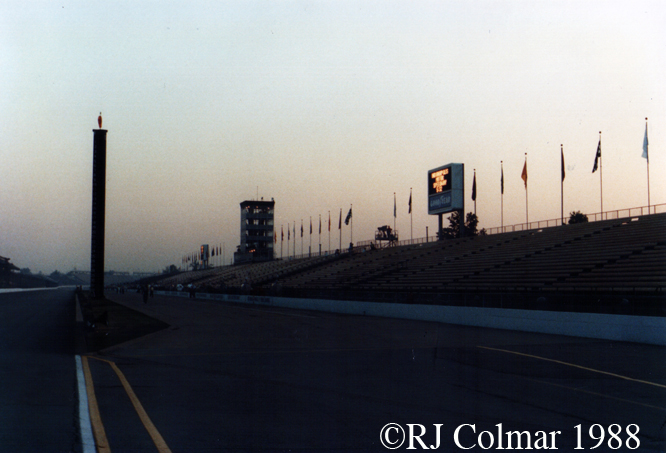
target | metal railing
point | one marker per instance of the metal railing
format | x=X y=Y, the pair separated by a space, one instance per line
x=595 y=217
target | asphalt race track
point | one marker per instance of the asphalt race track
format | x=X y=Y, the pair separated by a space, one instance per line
x=38 y=399
x=232 y=377
x=228 y=377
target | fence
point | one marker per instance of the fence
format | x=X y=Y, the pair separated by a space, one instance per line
x=596 y=217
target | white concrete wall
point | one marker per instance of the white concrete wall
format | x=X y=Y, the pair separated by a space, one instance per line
x=640 y=329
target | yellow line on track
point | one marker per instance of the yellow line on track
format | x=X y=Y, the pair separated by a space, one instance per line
x=152 y=431
x=596 y=394
x=95 y=419
x=154 y=434
x=619 y=376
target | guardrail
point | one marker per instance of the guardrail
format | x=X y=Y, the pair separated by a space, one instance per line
x=595 y=217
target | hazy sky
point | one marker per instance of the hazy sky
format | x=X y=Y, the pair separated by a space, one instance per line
x=318 y=105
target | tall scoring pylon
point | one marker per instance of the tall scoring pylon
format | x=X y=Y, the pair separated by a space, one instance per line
x=98 y=212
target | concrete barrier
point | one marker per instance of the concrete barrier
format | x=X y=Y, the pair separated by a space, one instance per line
x=639 y=329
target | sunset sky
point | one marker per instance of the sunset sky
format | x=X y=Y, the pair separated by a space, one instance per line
x=319 y=105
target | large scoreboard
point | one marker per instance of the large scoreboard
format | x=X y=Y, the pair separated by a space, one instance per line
x=446 y=189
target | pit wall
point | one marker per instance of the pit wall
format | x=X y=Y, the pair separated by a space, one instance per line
x=639 y=329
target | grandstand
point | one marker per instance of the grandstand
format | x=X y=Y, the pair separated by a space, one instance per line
x=614 y=265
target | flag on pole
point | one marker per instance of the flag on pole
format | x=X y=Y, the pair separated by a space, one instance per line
x=288 y=233
x=395 y=211
x=329 y=221
x=319 y=223
x=597 y=157
x=645 y=145
x=474 y=187
x=502 y=180
x=563 y=173
x=340 y=220
x=282 y=231
x=349 y=216
x=524 y=174
x=301 y=228
x=410 y=202
x=310 y=225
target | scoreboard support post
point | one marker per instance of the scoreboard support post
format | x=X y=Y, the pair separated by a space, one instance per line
x=446 y=193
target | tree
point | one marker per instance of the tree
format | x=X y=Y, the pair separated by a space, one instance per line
x=170 y=269
x=577 y=217
x=453 y=230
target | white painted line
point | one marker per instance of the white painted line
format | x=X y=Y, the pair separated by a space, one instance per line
x=87 y=438
x=18 y=290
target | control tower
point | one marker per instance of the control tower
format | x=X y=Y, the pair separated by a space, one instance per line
x=256 y=232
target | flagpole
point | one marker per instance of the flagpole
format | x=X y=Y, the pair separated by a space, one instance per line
x=310 y=249
x=562 y=185
x=527 y=219
x=340 y=229
x=647 y=158
x=281 y=239
x=601 y=180
x=394 y=211
x=329 y=232
x=474 y=191
x=502 y=194
x=411 y=217
x=351 y=226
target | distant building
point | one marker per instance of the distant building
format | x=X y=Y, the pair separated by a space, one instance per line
x=256 y=232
